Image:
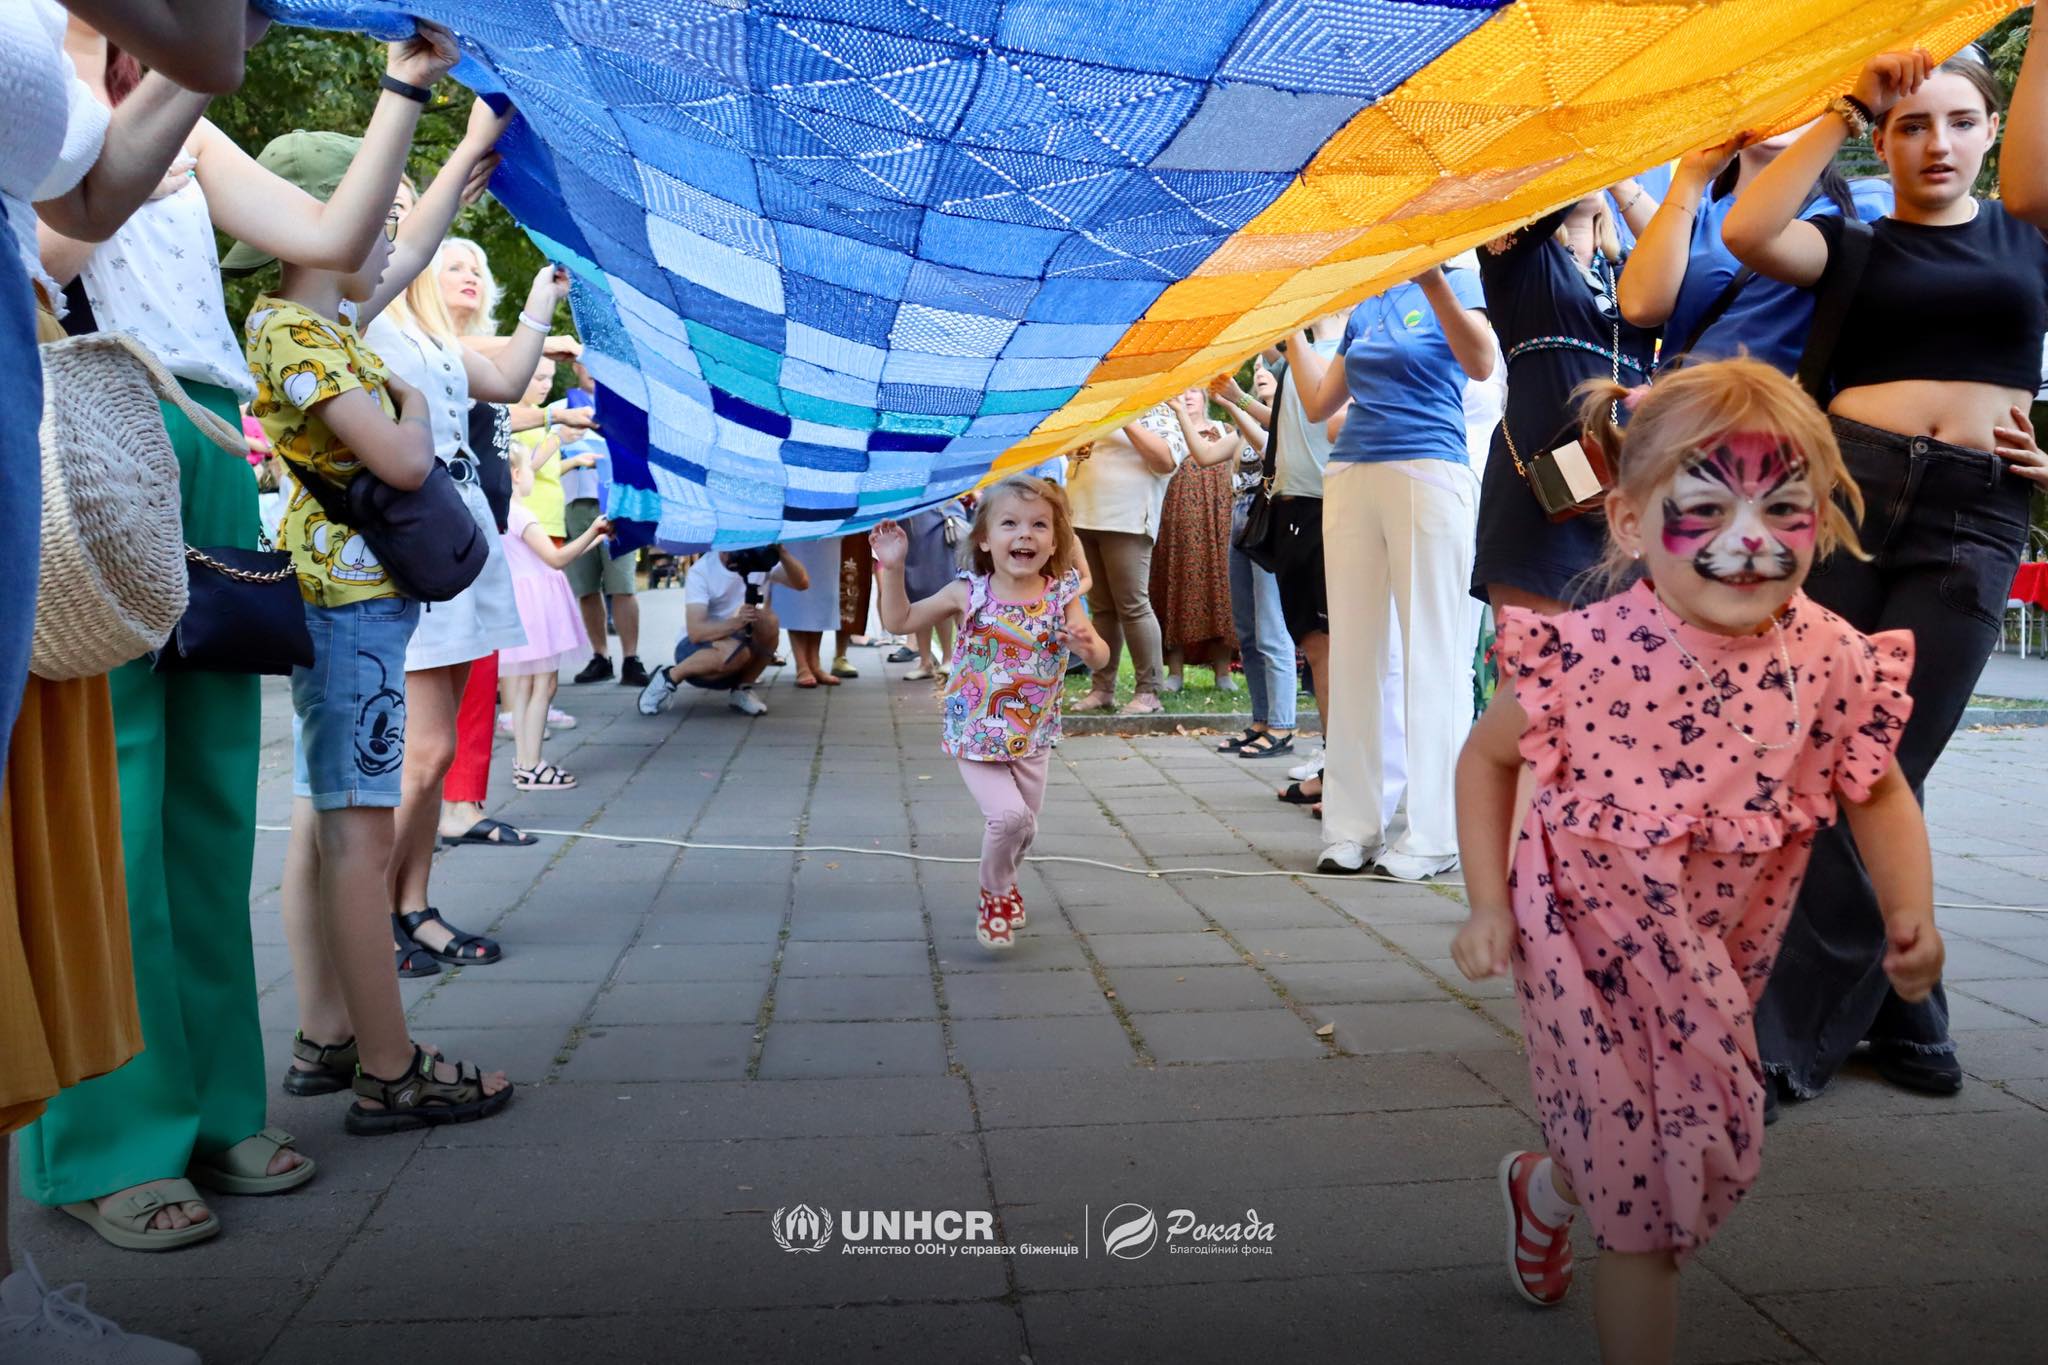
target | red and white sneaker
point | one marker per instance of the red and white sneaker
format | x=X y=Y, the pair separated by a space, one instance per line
x=993 y=927
x=1539 y=1254
x=1013 y=903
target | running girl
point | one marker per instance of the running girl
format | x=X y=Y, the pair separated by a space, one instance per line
x=1021 y=597
x=1687 y=737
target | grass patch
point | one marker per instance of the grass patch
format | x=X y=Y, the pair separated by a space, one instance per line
x=1199 y=695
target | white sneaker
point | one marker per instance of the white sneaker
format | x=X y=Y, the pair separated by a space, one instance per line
x=44 y=1326
x=1346 y=857
x=561 y=720
x=743 y=700
x=547 y=731
x=1308 y=768
x=1410 y=867
x=654 y=697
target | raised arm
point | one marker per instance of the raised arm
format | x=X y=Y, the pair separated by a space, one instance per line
x=503 y=374
x=1208 y=444
x=254 y=206
x=1764 y=229
x=1319 y=380
x=197 y=44
x=2023 y=165
x=424 y=229
x=1154 y=449
x=143 y=137
x=1635 y=203
x=1650 y=281
x=1468 y=331
x=901 y=616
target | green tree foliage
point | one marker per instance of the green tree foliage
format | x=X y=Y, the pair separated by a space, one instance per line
x=327 y=82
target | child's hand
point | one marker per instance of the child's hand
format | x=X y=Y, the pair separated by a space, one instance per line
x=1915 y=956
x=601 y=529
x=403 y=395
x=889 y=545
x=1481 y=947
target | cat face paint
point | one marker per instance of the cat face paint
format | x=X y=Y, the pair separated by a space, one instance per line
x=1743 y=512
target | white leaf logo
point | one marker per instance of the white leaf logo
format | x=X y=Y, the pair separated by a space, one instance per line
x=1129 y=1231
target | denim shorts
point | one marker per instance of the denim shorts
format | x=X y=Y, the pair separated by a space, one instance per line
x=716 y=682
x=348 y=722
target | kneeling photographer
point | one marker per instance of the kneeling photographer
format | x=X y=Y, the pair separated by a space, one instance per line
x=729 y=629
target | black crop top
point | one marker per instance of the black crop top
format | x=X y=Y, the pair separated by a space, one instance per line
x=1968 y=302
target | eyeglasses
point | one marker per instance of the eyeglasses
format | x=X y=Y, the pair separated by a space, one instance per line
x=390 y=229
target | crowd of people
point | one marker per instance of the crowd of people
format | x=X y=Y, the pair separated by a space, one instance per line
x=1686 y=819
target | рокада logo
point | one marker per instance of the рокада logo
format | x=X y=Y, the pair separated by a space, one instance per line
x=802 y=1228
x=1129 y=1231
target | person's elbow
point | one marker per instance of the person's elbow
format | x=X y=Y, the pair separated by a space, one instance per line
x=1745 y=238
x=202 y=68
x=2022 y=197
x=1638 y=309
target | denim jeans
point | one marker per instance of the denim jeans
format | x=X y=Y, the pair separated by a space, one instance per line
x=1262 y=637
x=1945 y=527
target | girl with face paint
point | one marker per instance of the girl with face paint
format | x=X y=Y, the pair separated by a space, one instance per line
x=1686 y=739
x=1930 y=382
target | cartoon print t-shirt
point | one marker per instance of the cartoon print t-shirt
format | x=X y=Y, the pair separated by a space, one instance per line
x=300 y=360
x=1003 y=700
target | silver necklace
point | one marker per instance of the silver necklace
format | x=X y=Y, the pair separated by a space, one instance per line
x=1707 y=681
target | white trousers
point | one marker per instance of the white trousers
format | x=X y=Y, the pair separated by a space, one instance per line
x=1398 y=533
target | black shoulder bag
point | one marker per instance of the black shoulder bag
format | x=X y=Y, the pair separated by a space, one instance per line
x=425 y=537
x=1831 y=307
x=1261 y=536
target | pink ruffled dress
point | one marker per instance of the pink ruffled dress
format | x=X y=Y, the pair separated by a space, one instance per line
x=1652 y=878
x=547 y=606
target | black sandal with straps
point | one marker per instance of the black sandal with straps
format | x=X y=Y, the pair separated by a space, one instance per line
x=463 y=950
x=417 y=1100
x=333 y=1066
x=414 y=959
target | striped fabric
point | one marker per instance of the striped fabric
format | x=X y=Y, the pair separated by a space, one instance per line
x=836 y=260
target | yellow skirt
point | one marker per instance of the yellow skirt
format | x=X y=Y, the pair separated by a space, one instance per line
x=67 y=979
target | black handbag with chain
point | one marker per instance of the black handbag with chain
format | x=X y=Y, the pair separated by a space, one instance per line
x=1258 y=538
x=244 y=615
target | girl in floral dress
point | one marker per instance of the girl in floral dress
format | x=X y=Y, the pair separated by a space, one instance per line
x=1686 y=737
x=1021 y=597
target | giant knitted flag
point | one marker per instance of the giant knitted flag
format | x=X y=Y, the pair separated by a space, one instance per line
x=838 y=259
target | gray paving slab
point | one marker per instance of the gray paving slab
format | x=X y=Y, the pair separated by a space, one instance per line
x=660 y=1123
x=797 y=1049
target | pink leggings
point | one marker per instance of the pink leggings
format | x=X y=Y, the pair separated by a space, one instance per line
x=1009 y=794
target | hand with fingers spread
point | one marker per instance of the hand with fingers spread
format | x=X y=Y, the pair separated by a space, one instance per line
x=2016 y=445
x=890 y=546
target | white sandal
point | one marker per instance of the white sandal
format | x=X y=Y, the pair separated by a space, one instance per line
x=546 y=777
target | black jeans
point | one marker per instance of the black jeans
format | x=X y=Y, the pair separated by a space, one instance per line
x=1945 y=527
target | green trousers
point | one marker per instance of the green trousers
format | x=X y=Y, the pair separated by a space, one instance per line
x=187 y=745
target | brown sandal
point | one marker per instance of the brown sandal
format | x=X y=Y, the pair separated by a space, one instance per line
x=417 y=1100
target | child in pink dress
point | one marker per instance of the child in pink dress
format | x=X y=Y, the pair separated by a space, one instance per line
x=1022 y=602
x=1685 y=738
x=554 y=630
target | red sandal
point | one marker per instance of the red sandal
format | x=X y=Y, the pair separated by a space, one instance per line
x=994 y=926
x=1539 y=1254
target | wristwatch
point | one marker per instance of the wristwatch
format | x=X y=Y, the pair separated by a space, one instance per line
x=417 y=93
x=1853 y=112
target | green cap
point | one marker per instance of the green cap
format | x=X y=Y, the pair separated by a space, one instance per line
x=315 y=162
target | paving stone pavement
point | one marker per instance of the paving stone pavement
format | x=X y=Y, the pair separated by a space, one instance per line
x=703 y=1037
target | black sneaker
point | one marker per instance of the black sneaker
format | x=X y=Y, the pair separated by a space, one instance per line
x=1928 y=1073
x=632 y=673
x=599 y=669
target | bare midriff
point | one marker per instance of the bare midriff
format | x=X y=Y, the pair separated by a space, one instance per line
x=1959 y=412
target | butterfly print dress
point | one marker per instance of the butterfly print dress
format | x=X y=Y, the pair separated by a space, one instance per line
x=1653 y=875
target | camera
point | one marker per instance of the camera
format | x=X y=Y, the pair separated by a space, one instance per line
x=754 y=564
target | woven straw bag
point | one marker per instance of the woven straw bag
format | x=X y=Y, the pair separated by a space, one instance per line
x=113 y=553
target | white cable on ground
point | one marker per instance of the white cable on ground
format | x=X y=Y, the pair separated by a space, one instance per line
x=1154 y=873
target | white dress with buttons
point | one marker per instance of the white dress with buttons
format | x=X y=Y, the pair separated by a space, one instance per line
x=484 y=617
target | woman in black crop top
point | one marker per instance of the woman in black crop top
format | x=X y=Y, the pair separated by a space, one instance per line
x=1937 y=362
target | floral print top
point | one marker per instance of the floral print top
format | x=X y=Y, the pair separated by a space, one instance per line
x=1003 y=701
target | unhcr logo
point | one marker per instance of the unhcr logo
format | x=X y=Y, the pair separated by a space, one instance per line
x=802 y=1228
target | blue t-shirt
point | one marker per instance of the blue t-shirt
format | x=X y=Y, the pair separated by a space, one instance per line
x=1407 y=389
x=1768 y=318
